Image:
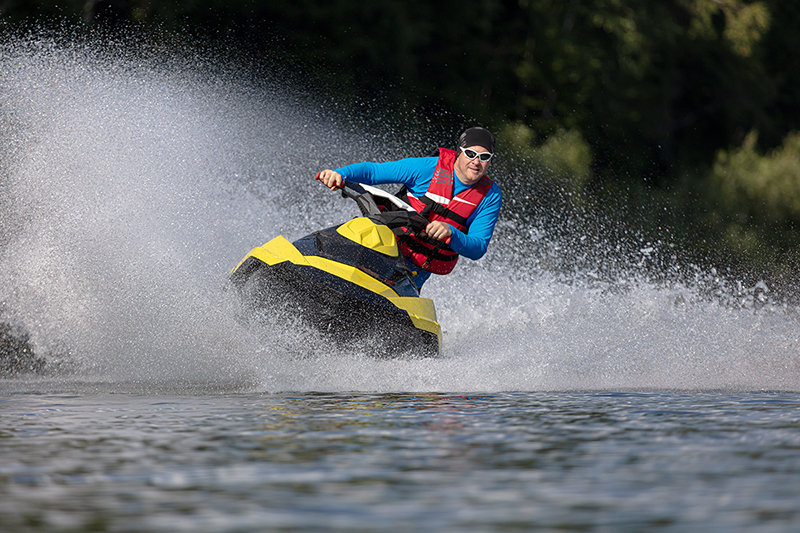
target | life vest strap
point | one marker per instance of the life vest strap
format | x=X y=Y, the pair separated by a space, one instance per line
x=439 y=209
x=440 y=252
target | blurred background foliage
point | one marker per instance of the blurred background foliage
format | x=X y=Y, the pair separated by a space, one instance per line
x=688 y=109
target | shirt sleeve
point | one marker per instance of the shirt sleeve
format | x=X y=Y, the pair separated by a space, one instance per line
x=413 y=172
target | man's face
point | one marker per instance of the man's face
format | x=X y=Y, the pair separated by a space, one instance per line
x=469 y=171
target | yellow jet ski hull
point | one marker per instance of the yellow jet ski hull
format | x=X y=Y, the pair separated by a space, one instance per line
x=350 y=282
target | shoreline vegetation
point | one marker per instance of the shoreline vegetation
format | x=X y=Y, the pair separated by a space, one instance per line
x=16 y=353
x=677 y=122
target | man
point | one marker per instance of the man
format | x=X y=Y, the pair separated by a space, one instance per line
x=462 y=212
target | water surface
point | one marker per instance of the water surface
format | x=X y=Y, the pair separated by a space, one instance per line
x=400 y=462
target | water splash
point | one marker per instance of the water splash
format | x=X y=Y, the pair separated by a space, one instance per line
x=132 y=182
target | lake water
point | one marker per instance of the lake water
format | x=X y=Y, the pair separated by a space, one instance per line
x=570 y=461
x=567 y=399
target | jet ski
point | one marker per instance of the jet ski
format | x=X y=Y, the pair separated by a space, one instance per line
x=349 y=282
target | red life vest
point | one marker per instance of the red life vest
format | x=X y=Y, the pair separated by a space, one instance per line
x=440 y=204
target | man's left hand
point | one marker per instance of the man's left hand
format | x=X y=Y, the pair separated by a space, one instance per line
x=438 y=230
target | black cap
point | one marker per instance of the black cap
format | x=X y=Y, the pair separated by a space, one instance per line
x=477 y=136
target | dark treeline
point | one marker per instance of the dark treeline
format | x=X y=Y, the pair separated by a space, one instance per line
x=690 y=107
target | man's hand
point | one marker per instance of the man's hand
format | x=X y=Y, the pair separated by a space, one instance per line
x=331 y=179
x=438 y=230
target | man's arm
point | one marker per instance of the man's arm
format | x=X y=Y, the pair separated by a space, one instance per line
x=473 y=244
x=413 y=172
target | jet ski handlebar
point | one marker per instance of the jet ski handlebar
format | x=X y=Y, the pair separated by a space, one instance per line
x=384 y=207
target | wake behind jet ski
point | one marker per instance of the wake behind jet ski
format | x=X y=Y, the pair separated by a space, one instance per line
x=350 y=282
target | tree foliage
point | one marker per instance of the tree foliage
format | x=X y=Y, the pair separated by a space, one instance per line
x=610 y=94
x=16 y=353
x=650 y=85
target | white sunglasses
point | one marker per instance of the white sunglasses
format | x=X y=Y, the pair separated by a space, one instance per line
x=472 y=154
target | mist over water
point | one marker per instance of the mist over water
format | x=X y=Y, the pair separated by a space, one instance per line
x=133 y=182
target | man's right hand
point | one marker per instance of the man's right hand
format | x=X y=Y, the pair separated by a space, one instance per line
x=331 y=179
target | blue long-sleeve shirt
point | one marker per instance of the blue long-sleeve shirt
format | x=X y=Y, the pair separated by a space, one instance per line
x=416 y=173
